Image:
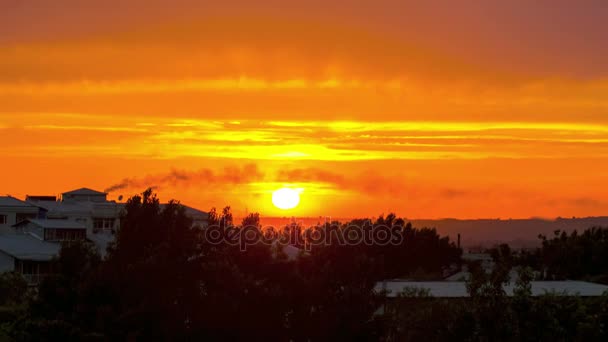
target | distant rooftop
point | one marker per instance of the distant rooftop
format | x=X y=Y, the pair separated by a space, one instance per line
x=9 y=201
x=54 y=224
x=84 y=191
x=62 y=206
x=41 y=198
x=190 y=211
x=291 y=252
x=26 y=247
x=477 y=257
x=458 y=289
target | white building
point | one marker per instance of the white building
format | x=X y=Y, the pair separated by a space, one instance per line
x=28 y=241
x=199 y=218
x=51 y=230
x=13 y=210
x=458 y=289
x=32 y=245
x=88 y=207
x=31 y=231
x=85 y=207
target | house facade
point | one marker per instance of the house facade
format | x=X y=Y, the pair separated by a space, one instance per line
x=85 y=206
x=32 y=231
x=33 y=244
x=13 y=210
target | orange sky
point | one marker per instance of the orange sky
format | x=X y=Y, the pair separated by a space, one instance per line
x=429 y=110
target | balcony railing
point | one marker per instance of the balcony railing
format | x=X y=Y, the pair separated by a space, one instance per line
x=33 y=279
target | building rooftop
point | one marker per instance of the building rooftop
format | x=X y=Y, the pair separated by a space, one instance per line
x=9 y=201
x=458 y=289
x=84 y=191
x=98 y=209
x=26 y=247
x=61 y=206
x=291 y=252
x=477 y=257
x=189 y=211
x=57 y=224
x=36 y=198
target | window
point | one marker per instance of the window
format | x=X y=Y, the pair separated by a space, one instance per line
x=100 y=224
x=108 y=223
x=49 y=234
x=23 y=217
x=3 y=219
x=64 y=234
x=32 y=271
x=29 y=267
x=97 y=224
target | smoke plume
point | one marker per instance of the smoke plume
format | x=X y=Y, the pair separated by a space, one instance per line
x=229 y=175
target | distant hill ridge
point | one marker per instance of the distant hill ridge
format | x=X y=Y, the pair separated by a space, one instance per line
x=485 y=232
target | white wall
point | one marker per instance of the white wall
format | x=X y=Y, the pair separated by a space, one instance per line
x=11 y=216
x=10 y=220
x=7 y=263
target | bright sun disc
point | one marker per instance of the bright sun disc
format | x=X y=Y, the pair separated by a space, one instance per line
x=286 y=198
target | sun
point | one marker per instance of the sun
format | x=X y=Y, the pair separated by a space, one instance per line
x=286 y=198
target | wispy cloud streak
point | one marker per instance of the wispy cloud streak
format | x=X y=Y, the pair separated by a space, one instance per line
x=165 y=138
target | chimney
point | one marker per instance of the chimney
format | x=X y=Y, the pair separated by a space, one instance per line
x=458 y=240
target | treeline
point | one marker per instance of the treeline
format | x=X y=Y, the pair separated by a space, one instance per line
x=578 y=255
x=490 y=315
x=163 y=279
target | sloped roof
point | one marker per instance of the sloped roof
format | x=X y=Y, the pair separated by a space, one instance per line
x=291 y=252
x=9 y=201
x=26 y=247
x=57 y=224
x=458 y=289
x=40 y=198
x=477 y=256
x=84 y=191
x=62 y=206
x=191 y=212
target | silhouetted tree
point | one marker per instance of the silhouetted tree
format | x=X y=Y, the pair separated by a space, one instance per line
x=13 y=289
x=576 y=256
x=58 y=311
x=164 y=279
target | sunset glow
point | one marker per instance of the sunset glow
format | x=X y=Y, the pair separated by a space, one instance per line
x=369 y=108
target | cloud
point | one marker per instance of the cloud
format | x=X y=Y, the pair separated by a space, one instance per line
x=454 y=193
x=586 y=202
x=86 y=87
x=229 y=175
x=369 y=181
x=257 y=140
x=311 y=175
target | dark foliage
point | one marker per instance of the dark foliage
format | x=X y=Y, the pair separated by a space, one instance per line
x=164 y=280
x=13 y=289
x=489 y=315
x=576 y=256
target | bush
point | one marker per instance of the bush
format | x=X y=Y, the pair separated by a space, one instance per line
x=13 y=288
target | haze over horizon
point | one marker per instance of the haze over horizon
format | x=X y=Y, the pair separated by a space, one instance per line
x=470 y=110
